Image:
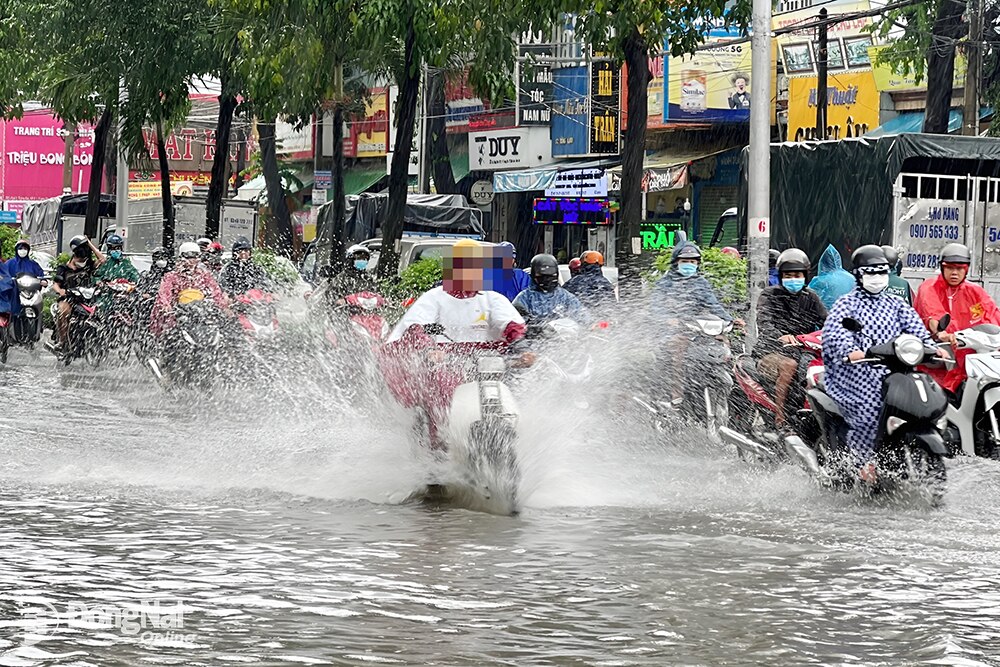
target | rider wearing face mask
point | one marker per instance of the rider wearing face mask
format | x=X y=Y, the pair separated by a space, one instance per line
x=545 y=300
x=354 y=278
x=149 y=282
x=117 y=266
x=189 y=274
x=785 y=311
x=21 y=262
x=681 y=295
x=968 y=305
x=857 y=387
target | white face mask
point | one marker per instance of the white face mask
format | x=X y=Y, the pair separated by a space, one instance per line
x=875 y=283
x=162 y=263
x=22 y=253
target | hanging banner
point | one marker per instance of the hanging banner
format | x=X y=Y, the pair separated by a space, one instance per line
x=534 y=78
x=847 y=40
x=711 y=86
x=369 y=136
x=605 y=108
x=570 y=111
x=852 y=106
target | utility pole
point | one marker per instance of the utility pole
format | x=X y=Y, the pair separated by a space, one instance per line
x=759 y=199
x=423 y=157
x=973 y=56
x=821 y=78
x=121 y=189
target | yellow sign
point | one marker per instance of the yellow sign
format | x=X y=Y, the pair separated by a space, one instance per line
x=886 y=78
x=852 y=107
x=713 y=85
x=368 y=136
x=138 y=190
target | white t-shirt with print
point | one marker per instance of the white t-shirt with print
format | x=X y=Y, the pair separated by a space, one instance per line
x=478 y=319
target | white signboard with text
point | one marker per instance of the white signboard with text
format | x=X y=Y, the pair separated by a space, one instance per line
x=510 y=148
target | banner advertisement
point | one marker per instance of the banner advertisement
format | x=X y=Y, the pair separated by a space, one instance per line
x=570 y=111
x=889 y=79
x=924 y=227
x=847 y=41
x=291 y=143
x=534 y=76
x=32 y=154
x=579 y=183
x=605 y=107
x=852 y=106
x=369 y=136
x=140 y=190
x=711 y=86
x=512 y=148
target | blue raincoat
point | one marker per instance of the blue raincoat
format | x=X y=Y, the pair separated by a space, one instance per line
x=591 y=287
x=538 y=307
x=515 y=284
x=17 y=265
x=831 y=281
x=8 y=290
x=676 y=297
x=858 y=388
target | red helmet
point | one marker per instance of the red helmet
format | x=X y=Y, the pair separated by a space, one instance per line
x=574 y=266
x=733 y=252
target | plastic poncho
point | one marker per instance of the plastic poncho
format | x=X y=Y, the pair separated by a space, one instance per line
x=114 y=269
x=15 y=266
x=239 y=277
x=170 y=288
x=514 y=284
x=591 y=287
x=676 y=297
x=8 y=291
x=968 y=305
x=831 y=281
x=857 y=388
x=540 y=308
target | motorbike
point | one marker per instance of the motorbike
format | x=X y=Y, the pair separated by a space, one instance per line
x=25 y=328
x=120 y=320
x=256 y=314
x=480 y=434
x=973 y=427
x=753 y=430
x=194 y=349
x=86 y=330
x=707 y=391
x=910 y=449
x=366 y=323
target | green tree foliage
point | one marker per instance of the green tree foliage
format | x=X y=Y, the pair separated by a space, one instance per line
x=727 y=275
x=8 y=237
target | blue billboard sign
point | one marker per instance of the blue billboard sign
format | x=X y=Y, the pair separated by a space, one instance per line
x=571 y=111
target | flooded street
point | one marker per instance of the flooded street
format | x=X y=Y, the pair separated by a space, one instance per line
x=285 y=535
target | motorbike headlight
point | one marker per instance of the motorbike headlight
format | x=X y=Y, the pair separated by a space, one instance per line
x=909 y=350
x=942 y=423
x=893 y=423
x=712 y=327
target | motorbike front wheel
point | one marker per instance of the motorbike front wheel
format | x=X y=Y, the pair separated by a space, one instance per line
x=926 y=471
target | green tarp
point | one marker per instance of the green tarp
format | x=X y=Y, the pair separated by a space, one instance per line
x=358 y=180
x=840 y=192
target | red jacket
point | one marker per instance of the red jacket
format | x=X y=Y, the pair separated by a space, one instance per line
x=968 y=304
x=172 y=285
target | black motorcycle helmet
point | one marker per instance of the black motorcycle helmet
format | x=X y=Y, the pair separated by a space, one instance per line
x=242 y=243
x=545 y=272
x=160 y=253
x=891 y=256
x=868 y=259
x=792 y=259
x=686 y=250
x=115 y=242
x=79 y=247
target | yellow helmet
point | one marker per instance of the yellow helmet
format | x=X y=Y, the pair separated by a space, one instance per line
x=188 y=295
x=466 y=248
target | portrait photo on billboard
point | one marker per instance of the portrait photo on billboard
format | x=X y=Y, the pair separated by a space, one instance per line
x=740 y=99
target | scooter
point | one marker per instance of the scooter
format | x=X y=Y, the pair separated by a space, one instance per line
x=25 y=328
x=973 y=427
x=753 y=429
x=256 y=314
x=707 y=390
x=910 y=450
x=120 y=320
x=86 y=331
x=480 y=433
x=194 y=349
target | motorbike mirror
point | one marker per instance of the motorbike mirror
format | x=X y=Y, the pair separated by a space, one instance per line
x=852 y=324
x=433 y=329
x=944 y=322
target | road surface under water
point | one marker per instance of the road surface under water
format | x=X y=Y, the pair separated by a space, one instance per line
x=283 y=534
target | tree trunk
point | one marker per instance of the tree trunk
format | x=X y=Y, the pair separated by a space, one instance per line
x=165 y=194
x=338 y=242
x=97 y=174
x=444 y=178
x=241 y=158
x=634 y=151
x=406 y=115
x=941 y=65
x=220 y=164
x=281 y=242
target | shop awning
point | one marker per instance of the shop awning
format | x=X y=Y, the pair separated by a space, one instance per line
x=358 y=180
x=542 y=178
x=256 y=188
x=666 y=169
x=912 y=122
